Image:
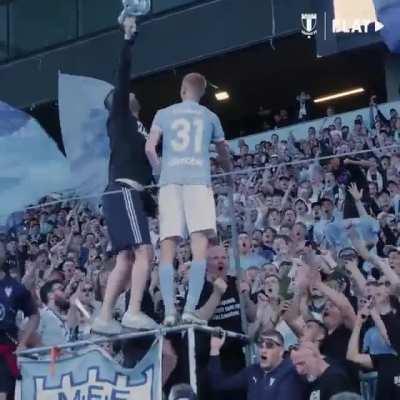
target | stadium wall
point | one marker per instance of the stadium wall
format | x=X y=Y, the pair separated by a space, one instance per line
x=168 y=39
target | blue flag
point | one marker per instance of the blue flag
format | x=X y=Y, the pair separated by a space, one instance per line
x=83 y=119
x=31 y=166
x=92 y=376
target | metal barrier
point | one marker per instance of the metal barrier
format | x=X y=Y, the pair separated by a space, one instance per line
x=368 y=383
x=189 y=329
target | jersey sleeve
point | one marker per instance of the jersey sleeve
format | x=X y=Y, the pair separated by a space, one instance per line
x=218 y=134
x=158 y=121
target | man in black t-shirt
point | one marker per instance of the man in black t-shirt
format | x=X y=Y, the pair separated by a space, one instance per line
x=220 y=305
x=126 y=208
x=325 y=380
x=219 y=301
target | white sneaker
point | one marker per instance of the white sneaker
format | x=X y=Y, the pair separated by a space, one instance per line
x=139 y=321
x=192 y=319
x=170 y=320
x=108 y=328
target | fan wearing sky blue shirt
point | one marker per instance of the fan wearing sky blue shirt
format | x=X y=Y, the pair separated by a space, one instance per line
x=186 y=201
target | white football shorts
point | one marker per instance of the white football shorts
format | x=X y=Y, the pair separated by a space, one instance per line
x=185 y=209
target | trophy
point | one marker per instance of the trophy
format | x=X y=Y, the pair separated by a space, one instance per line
x=134 y=8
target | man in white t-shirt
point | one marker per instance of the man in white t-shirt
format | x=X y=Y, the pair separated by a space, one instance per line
x=53 y=329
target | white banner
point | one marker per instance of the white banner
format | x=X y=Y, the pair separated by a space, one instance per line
x=92 y=376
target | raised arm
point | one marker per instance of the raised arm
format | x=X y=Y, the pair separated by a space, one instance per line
x=217 y=378
x=357 y=196
x=372 y=105
x=208 y=309
x=29 y=308
x=30 y=328
x=120 y=101
x=353 y=353
x=360 y=163
x=287 y=195
x=337 y=298
x=380 y=325
x=382 y=264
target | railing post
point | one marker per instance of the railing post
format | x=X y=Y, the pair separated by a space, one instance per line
x=160 y=338
x=192 y=358
x=236 y=257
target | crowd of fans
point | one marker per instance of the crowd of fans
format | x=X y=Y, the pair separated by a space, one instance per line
x=317 y=288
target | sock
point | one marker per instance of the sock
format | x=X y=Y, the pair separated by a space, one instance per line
x=167 y=288
x=196 y=282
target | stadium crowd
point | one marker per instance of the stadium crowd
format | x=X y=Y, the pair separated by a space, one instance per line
x=318 y=282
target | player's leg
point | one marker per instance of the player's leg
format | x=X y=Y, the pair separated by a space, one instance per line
x=167 y=281
x=134 y=318
x=116 y=283
x=172 y=227
x=201 y=220
x=197 y=273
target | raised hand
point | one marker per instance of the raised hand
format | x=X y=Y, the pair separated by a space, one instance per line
x=220 y=286
x=355 y=192
x=244 y=287
x=129 y=25
x=350 y=265
x=216 y=343
x=301 y=280
x=261 y=206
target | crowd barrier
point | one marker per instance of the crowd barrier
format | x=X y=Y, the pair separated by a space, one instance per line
x=69 y=389
x=34 y=359
x=368 y=383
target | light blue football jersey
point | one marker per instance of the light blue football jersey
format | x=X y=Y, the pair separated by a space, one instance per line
x=188 y=128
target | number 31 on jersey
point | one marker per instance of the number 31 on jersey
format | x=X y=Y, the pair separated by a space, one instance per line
x=187 y=133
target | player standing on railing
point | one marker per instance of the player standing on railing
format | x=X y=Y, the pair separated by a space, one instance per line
x=186 y=201
x=129 y=172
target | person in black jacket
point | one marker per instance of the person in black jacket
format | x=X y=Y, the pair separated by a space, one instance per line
x=124 y=208
x=273 y=378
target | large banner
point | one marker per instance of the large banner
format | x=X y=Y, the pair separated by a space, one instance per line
x=92 y=376
x=83 y=119
x=31 y=166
